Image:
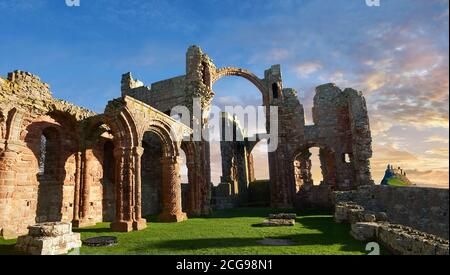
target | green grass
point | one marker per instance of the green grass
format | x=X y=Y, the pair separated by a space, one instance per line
x=396 y=182
x=227 y=232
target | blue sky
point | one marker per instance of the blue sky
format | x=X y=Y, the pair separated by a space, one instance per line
x=397 y=54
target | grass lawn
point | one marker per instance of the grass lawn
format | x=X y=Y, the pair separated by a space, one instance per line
x=396 y=182
x=226 y=232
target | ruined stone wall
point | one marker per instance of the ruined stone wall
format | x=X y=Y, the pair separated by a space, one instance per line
x=93 y=176
x=342 y=133
x=162 y=95
x=425 y=209
x=30 y=193
x=55 y=164
x=259 y=193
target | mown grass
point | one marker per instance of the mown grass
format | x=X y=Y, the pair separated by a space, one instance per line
x=227 y=232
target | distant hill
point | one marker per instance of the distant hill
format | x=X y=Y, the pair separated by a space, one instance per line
x=395 y=177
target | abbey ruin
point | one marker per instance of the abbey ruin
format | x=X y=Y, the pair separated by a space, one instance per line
x=61 y=162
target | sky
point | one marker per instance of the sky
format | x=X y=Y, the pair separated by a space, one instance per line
x=396 y=54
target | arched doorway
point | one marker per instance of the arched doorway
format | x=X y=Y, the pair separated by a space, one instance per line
x=50 y=178
x=314 y=176
x=239 y=104
x=151 y=174
x=108 y=182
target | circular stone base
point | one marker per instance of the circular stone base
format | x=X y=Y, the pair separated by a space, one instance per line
x=101 y=241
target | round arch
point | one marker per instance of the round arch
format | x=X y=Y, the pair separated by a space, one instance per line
x=232 y=71
x=168 y=139
x=301 y=162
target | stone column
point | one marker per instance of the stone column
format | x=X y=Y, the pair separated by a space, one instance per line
x=193 y=195
x=85 y=220
x=76 y=203
x=8 y=163
x=122 y=223
x=171 y=191
x=139 y=223
x=251 y=169
x=305 y=168
x=282 y=180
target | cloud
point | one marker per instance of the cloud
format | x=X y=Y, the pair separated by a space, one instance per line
x=306 y=69
x=272 y=56
x=436 y=139
x=439 y=178
x=440 y=153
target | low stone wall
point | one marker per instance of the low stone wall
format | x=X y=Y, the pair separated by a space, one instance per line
x=404 y=240
x=424 y=209
x=398 y=239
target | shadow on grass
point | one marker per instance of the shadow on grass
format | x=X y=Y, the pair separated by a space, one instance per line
x=99 y=230
x=262 y=212
x=299 y=240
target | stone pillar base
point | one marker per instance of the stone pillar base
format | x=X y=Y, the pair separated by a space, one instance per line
x=140 y=225
x=168 y=217
x=83 y=223
x=122 y=226
x=53 y=238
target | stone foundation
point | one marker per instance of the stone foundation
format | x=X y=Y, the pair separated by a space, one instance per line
x=49 y=239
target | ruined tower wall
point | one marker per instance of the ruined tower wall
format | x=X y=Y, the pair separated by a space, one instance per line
x=162 y=95
x=340 y=124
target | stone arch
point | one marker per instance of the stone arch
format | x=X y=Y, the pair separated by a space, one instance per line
x=302 y=164
x=232 y=71
x=52 y=199
x=14 y=125
x=170 y=167
x=119 y=123
x=168 y=140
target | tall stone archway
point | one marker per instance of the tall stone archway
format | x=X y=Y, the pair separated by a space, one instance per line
x=307 y=191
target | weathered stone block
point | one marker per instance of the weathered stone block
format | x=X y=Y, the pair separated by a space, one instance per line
x=49 y=229
x=49 y=239
x=369 y=218
x=381 y=217
x=278 y=222
x=364 y=231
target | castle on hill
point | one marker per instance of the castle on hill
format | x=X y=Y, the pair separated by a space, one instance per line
x=395 y=176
